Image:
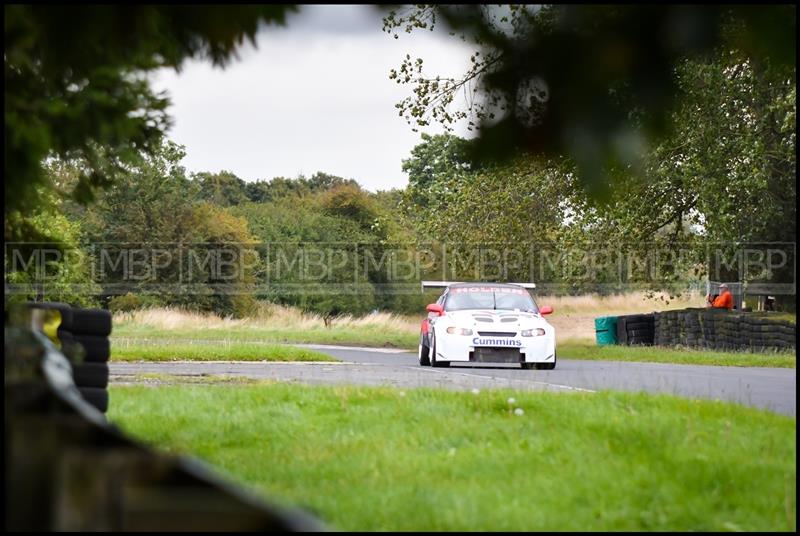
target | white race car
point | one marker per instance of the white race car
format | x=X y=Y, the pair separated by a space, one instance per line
x=486 y=323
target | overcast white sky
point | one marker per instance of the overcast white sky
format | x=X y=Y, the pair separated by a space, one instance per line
x=314 y=95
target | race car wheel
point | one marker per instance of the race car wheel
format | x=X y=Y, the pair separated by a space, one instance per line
x=424 y=352
x=434 y=362
x=548 y=366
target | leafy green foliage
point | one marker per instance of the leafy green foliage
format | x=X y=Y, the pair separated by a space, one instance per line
x=435 y=160
x=270 y=190
x=57 y=268
x=76 y=86
x=300 y=237
x=223 y=189
x=126 y=303
x=155 y=211
x=594 y=83
x=686 y=114
x=725 y=175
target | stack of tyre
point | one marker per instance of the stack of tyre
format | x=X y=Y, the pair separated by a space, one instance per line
x=84 y=336
x=665 y=327
x=762 y=334
x=636 y=329
x=691 y=328
x=708 y=330
x=728 y=332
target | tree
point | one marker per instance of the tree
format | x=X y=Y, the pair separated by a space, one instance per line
x=350 y=202
x=226 y=240
x=155 y=237
x=308 y=254
x=435 y=160
x=725 y=176
x=60 y=269
x=321 y=181
x=76 y=86
x=592 y=82
x=263 y=191
x=224 y=188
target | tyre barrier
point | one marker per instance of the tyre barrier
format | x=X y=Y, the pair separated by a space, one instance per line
x=95 y=349
x=91 y=375
x=96 y=396
x=91 y=322
x=636 y=329
x=720 y=329
x=83 y=334
x=69 y=470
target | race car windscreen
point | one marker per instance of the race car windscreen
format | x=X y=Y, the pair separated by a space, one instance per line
x=463 y=298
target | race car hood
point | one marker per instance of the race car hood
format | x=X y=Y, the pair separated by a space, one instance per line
x=496 y=320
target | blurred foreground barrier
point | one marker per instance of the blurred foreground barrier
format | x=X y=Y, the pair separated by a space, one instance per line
x=67 y=469
x=83 y=335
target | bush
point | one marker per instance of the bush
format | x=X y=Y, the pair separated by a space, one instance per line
x=125 y=303
x=130 y=302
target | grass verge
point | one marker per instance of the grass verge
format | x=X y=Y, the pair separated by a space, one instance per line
x=384 y=459
x=656 y=354
x=365 y=336
x=209 y=352
x=161 y=347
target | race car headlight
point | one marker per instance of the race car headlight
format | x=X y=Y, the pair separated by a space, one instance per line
x=458 y=331
x=538 y=332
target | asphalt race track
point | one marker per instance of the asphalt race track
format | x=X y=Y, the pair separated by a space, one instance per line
x=770 y=388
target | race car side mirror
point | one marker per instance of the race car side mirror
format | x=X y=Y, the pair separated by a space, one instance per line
x=435 y=308
x=545 y=309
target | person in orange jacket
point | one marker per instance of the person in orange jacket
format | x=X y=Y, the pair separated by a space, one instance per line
x=724 y=300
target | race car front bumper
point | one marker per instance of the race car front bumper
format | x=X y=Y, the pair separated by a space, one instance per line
x=466 y=349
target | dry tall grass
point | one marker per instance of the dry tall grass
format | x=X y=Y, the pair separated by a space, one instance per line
x=269 y=316
x=573 y=317
x=634 y=302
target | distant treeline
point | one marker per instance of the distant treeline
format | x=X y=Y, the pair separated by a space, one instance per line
x=717 y=198
x=226 y=189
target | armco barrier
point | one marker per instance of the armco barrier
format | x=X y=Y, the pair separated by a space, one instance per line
x=720 y=329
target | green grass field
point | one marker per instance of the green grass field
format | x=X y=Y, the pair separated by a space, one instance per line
x=160 y=347
x=167 y=351
x=654 y=354
x=385 y=459
x=356 y=336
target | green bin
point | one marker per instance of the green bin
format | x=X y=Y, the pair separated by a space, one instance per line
x=605 y=328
